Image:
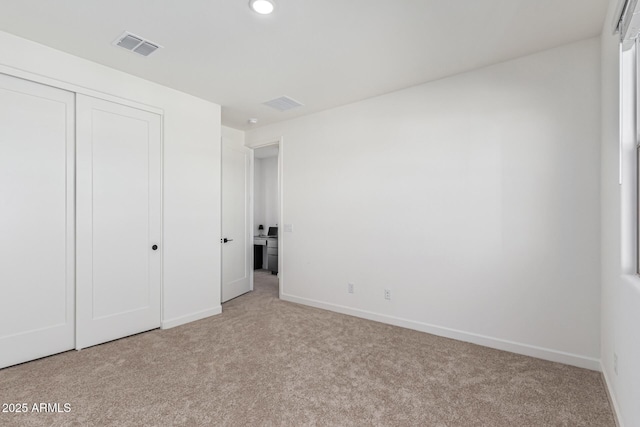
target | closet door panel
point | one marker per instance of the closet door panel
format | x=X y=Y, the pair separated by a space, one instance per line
x=36 y=220
x=119 y=178
x=121 y=209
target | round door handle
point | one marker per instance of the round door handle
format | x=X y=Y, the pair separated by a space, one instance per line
x=154 y=247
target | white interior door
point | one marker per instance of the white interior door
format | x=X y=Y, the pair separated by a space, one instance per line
x=236 y=242
x=36 y=221
x=118 y=221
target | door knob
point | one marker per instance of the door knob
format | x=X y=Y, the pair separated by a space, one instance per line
x=225 y=240
x=154 y=247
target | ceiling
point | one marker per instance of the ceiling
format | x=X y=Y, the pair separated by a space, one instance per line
x=323 y=53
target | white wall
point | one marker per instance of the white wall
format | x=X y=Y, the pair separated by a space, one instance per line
x=265 y=193
x=191 y=205
x=474 y=199
x=269 y=177
x=620 y=287
x=265 y=196
x=233 y=136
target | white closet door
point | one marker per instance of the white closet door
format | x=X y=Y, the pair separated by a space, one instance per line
x=36 y=221
x=118 y=221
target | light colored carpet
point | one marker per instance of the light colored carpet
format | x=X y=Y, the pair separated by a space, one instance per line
x=268 y=362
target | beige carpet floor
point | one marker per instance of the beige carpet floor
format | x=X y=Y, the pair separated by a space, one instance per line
x=272 y=363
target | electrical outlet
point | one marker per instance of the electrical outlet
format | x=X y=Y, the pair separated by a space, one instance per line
x=350 y=287
x=615 y=363
x=387 y=294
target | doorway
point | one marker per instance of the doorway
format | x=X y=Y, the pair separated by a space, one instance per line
x=251 y=213
x=267 y=253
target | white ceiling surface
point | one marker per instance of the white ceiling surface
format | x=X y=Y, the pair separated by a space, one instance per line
x=323 y=53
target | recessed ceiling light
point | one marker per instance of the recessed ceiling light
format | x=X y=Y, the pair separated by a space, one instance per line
x=263 y=7
x=252 y=121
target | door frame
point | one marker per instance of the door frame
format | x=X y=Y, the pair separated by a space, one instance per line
x=82 y=90
x=71 y=87
x=279 y=141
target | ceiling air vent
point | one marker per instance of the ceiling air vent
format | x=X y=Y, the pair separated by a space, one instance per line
x=136 y=44
x=283 y=103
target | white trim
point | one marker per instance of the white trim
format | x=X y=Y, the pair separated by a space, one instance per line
x=264 y=143
x=39 y=78
x=162 y=289
x=612 y=397
x=199 y=315
x=221 y=224
x=497 y=343
x=250 y=234
x=281 y=239
x=620 y=110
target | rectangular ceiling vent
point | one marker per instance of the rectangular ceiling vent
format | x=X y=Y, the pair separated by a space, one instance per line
x=136 y=44
x=283 y=103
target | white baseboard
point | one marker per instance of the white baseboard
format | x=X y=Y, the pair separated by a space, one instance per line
x=612 y=397
x=497 y=343
x=172 y=323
